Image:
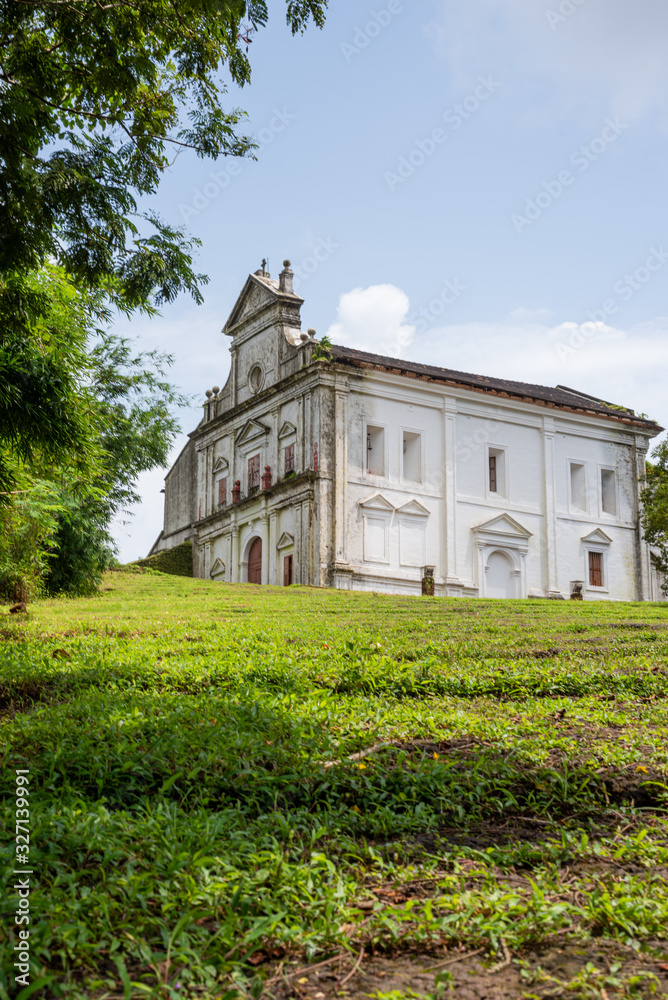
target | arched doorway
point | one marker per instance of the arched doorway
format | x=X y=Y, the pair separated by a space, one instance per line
x=500 y=576
x=255 y=561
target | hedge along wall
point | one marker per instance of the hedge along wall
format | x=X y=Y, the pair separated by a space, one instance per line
x=177 y=561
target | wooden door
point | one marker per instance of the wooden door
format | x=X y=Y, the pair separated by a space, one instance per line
x=255 y=562
x=287 y=571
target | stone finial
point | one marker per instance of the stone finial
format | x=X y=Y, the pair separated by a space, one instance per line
x=311 y=332
x=216 y=390
x=303 y=337
x=285 y=278
x=208 y=394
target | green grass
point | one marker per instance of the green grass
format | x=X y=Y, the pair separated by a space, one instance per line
x=200 y=812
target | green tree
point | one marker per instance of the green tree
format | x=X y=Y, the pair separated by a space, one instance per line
x=94 y=99
x=655 y=506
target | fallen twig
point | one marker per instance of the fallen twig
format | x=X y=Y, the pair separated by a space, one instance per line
x=354 y=968
x=306 y=969
x=506 y=960
x=451 y=961
x=358 y=756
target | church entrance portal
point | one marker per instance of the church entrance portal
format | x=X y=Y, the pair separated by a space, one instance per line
x=255 y=561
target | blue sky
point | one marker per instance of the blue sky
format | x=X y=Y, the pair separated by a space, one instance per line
x=477 y=185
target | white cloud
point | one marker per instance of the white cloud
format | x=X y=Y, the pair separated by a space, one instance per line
x=592 y=48
x=372 y=319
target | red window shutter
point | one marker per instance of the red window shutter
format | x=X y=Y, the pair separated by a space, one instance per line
x=290 y=458
x=595 y=569
x=222 y=491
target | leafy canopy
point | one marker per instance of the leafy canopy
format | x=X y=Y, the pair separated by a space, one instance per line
x=94 y=100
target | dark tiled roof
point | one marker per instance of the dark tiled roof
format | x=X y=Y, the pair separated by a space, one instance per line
x=558 y=396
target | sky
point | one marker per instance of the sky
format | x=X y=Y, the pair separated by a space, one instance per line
x=478 y=185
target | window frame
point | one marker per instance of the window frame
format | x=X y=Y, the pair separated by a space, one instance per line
x=222 y=487
x=419 y=433
x=289 y=449
x=375 y=425
x=572 y=509
x=496 y=450
x=601 y=550
x=606 y=513
x=255 y=459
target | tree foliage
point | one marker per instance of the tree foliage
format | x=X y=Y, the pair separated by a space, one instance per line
x=56 y=532
x=94 y=100
x=655 y=507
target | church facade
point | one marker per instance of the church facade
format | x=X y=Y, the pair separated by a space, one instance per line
x=331 y=467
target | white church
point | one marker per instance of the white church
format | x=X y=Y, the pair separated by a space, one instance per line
x=332 y=467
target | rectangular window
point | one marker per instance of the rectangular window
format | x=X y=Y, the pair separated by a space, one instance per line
x=289 y=454
x=608 y=491
x=492 y=474
x=578 y=486
x=412 y=457
x=222 y=491
x=496 y=471
x=375 y=451
x=287 y=571
x=253 y=473
x=595 y=569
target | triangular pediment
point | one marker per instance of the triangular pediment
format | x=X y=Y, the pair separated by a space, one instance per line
x=504 y=524
x=597 y=537
x=257 y=293
x=414 y=507
x=222 y=465
x=287 y=429
x=251 y=430
x=377 y=502
x=218 y=569
x=285 y=541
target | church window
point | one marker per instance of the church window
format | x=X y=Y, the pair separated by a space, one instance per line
x=496 y=471
x=287 y=570
x=578 y=486
x=289 y=454
x=222 y=491
x=608 y=491
x=255 y=378
x=253 y=473
x=595 y=569
x=412 y=456
x=375 y=450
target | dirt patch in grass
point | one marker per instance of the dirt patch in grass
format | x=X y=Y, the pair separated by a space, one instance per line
x=474 y=977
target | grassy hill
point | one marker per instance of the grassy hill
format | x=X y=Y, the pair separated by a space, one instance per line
x=290 y=792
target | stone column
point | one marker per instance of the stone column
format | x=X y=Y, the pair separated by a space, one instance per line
x=273 y=538
x=550 y=530
x=340 y=472
x=264 y=535
x=235 y=554
x=297 y=575
x=450 y=487
x=644 y=561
